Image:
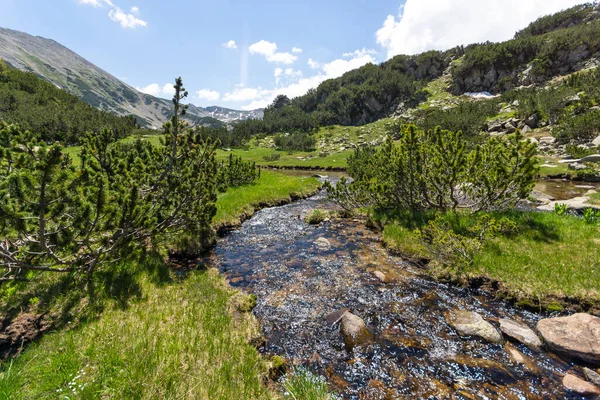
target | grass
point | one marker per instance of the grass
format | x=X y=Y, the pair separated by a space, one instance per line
x=303 y=385
x=296 y=159
x=272 y=188
x=179 y=341
x=594 y=199
x=549 y=256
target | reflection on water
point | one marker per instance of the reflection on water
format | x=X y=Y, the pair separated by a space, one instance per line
x=303 y=273
x=565 y=190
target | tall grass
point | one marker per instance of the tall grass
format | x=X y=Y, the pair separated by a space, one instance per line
x=179 y=342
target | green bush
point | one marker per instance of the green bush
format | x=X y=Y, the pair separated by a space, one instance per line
x=272 y=157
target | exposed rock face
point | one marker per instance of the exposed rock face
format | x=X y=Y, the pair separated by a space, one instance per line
x=469 y=323
x=592 y=376
x=580 y=386
x=577 y=336
x=354 y=331
x=520 y=332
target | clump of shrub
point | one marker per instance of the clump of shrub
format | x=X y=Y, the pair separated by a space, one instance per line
x=296 y=142
x=272 y=157
x=315 y=217
x=303 y=384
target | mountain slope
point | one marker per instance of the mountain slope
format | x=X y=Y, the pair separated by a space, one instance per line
x=67 y=70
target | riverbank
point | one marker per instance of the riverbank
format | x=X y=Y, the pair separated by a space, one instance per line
x=549 y=262
x=151 y=330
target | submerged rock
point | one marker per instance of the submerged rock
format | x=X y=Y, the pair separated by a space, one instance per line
x=323 y=243
x=520 y=333
x=580 y=386
x=577 y=336
x=592 y=376
x=469 y=323
x=354 y=331
x=381 y=276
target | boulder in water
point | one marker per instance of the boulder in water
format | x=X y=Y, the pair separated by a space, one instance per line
x=580 y=386
x=354 y=331
x=469 y=323
x=520 y=333
x=381 y=276
x=323 y=244
x=577 y=336
x=592 y=376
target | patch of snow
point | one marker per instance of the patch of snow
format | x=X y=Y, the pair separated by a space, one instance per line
x=481 y=95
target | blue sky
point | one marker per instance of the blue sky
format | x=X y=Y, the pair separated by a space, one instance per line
x=241 y=54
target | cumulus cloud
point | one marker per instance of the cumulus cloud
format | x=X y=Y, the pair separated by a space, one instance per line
x=128 y=20
x=209 y=95
x=442 y=24
x=230 y=45
x=296 y=84
x=296 y=50
x=313 y=64
x=154 y=89
x=269 y=51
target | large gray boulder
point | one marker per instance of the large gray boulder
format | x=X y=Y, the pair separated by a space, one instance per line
x=468 y=323
x=354 y=331
x=520 y=332
x=596 y=142
x=577 y=336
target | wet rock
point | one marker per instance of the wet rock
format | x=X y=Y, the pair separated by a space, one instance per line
x=469 y=323
x=580 y=386
x=592 y=376
x=520 y=333
x=577 y=336
x=381 y=276
x=323 y=243
x=335 y=316
x=354 y=331
x=515 y=354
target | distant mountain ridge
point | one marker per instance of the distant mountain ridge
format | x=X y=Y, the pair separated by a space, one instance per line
x=66 y=69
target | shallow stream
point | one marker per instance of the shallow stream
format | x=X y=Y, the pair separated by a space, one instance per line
x=302 y=274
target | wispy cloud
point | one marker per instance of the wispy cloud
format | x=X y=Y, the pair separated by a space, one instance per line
x=269 y=51
x=296 y=50
x=127 y=20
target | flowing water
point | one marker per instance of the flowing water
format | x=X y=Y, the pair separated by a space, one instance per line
x=301 y=274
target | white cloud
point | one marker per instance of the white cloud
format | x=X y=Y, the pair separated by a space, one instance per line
x=296 y=50
x=126 y=20
x=97 y=3
x=360 y=53
x=230 y=45
x=269 y=51
x=210 y=95
x=154 y=89
x=442 y=24
x=313 y=64
x=297 y=84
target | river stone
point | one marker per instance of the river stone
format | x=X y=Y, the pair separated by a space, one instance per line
x=592 y=376
x=520 y=332
x=577 y=336
x=354 y=331
x=580 y=386
x=469 y=323
x=381 y=276
x=323 y=243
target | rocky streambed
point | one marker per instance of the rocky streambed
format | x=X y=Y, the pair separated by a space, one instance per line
x=330 y=298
